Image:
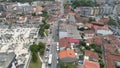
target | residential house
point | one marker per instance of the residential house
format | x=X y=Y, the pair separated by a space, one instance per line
x=67 y=56
x=68 y=43
x=37 y=9
x=112 y=54
x=64 y=43
x=92 y=56
x=88 y=34
x=90 y=64
x=104 y=20
x=102 y=30
x=98 y=40
x=80 y=19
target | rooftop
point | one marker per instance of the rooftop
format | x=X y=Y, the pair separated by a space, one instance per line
x=91 y=54
x=91 y=64
x=6 y=59
x=67 y=53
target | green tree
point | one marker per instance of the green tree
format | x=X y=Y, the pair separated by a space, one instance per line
x=34 y=48
x=34 y=57
x=112 y=22
x=33 y=14
x=78 y=3
x=47 y=26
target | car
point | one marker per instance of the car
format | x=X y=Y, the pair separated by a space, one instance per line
x=47 y=49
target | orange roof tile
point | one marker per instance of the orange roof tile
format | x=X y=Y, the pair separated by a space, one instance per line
x=67 y=53
x=91 y=64
x=91 y=54
x=64 y=42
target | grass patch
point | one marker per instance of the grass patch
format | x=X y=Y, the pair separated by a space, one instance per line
x=37 y=64
x=46 y=32
x=68 y=65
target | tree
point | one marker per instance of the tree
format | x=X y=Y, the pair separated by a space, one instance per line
x=78 y=3
x=91 y=19
x=34 y=48
x=34 y=57
x=33 y=14
x=47 y=26
x=112 y=22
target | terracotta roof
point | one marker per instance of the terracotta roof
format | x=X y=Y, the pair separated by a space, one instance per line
x=98 y=23
x=73 y=40
x=91 y=64
x=96 y=27
x=110 y=47
x=98 y=40
x=111 y=60
x=64 y=42
x=91 y=54
x=67 y=53
x=104 y=20
x=88 y=32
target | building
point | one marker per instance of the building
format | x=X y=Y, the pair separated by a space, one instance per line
x=92 y=56
x=67 y=56
x=91 y=64
x=7 y=60
x=88 y=34
x=106 y=9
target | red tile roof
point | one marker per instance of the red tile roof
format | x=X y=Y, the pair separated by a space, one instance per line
x=91 y=54
x=88 y=32
x=98 y=40
x=73 y=40
x=96 y=27
x=104 y=20
x=67 y=53
x=111 y=60
x=64 y=42
x=91 y=64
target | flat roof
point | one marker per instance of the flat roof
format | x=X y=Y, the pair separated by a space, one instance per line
x=6 y=59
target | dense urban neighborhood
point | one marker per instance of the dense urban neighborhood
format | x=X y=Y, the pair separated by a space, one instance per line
x=59 y=33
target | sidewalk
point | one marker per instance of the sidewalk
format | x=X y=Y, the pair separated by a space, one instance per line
x=43 y=64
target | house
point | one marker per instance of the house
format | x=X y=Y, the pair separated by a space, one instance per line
x=37 y=9
x=89 y=25
x=92 y=56
x=91 y=64
x=68 y=42
x=102 y=30
x=104 y=20
x=73 y=42
x=67 y=56
x=98 y=40
x=88 y=34
x=80 y=19
x=64 y=43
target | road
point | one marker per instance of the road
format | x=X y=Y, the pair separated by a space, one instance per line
x=52 y=39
